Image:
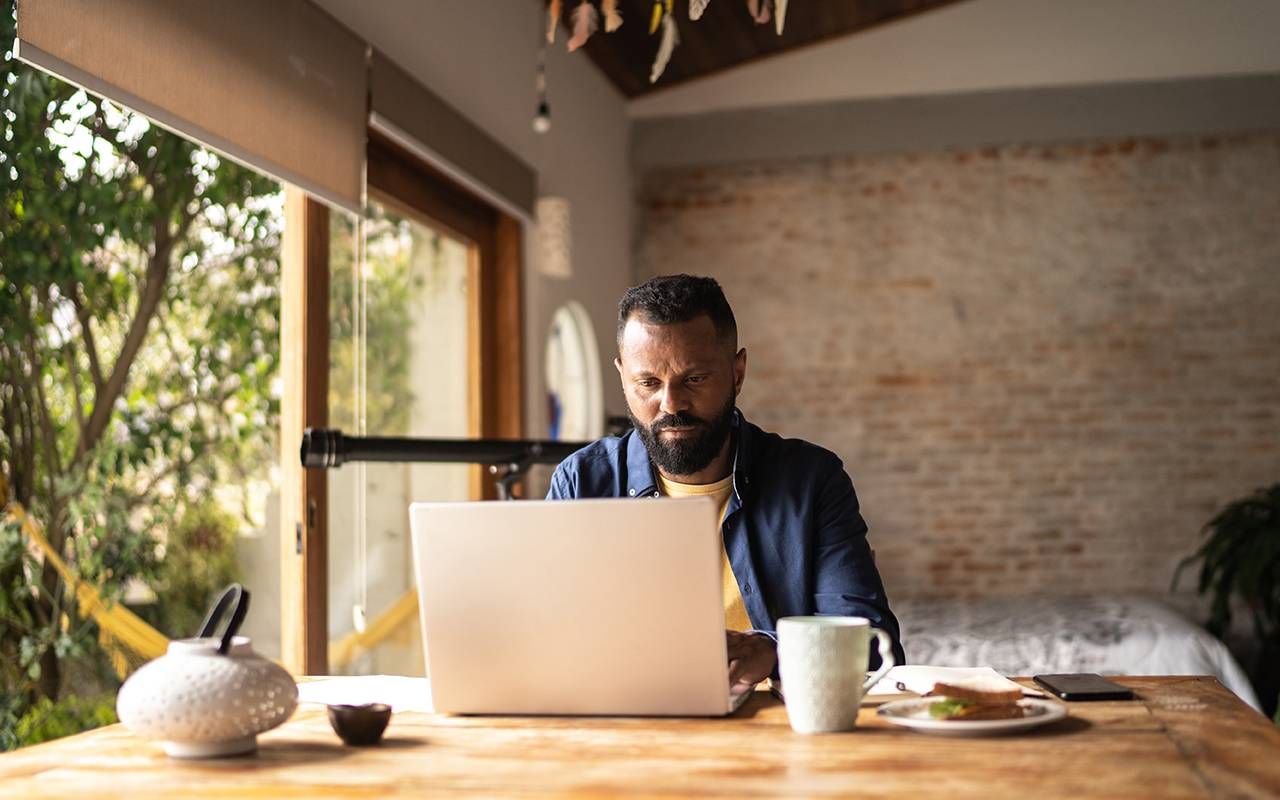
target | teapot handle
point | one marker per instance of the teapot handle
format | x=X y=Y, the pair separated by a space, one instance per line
x=237 y=594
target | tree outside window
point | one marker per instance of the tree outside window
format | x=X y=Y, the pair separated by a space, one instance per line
x=139 y=347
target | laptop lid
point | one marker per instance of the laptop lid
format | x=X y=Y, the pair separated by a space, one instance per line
x=609 y=606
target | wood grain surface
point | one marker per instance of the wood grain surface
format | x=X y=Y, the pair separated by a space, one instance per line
x=1183 y=737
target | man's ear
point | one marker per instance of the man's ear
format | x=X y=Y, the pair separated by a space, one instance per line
x=739 y=371
x=617 y=364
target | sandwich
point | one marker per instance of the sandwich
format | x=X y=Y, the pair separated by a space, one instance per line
x=979 y=698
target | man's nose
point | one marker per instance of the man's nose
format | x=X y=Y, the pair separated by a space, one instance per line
x=674 y=399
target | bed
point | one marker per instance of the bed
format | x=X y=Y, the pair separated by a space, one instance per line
x=1107 y=634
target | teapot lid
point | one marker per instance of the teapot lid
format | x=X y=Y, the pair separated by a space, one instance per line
x=210 y=646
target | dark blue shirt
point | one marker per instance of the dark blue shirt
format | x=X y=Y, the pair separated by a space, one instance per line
x=793 y=533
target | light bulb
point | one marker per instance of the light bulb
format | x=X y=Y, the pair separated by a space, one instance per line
x=542 y=121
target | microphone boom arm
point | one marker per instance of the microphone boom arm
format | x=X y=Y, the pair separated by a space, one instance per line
x=328 y=448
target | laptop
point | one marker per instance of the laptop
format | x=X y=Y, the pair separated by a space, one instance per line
x=580 y=607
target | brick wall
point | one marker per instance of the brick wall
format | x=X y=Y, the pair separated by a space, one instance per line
x=1044 y=366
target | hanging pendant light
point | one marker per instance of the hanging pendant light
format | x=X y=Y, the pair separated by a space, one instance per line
x=542 y=119
x=554 y=254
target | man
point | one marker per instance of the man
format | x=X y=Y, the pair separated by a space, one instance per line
x=794 y=541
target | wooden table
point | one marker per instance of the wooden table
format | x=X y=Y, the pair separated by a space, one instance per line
x=1183 y=737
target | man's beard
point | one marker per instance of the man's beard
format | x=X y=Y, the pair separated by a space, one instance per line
x=685 y=456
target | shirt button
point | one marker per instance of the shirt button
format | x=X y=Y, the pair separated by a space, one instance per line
x=657 y=494
x=746 y=588
x=632 y=492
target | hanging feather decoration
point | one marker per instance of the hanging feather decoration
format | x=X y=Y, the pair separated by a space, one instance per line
x=669 y=41
x=612 y=17
x=585 y=22
x=655 y=17
x=759 y=10
x=780 y=14
x=697 y=8
x=553 y=19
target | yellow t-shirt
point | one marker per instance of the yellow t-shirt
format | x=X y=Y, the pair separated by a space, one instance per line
x=735 y=613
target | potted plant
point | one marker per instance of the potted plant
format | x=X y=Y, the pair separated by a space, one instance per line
x=1240 y=560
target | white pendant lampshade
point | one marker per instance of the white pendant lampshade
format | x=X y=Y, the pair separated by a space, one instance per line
x=554 y=240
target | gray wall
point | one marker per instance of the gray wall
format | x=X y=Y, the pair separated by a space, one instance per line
x=480 y=58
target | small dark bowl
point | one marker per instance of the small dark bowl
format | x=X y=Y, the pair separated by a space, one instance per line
x=360 y=725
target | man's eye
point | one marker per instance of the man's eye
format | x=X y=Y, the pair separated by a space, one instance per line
x=648 y=383
x=695 y=379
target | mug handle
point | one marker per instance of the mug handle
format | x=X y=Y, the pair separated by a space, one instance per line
x=886 y=659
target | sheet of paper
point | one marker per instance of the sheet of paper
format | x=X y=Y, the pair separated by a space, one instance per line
x=919 y=678
x=399 y=692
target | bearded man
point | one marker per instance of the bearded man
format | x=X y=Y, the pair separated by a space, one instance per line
x=794 y=540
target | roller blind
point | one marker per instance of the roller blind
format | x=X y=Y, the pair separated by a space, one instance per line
x=422 y=122
x=276 y=84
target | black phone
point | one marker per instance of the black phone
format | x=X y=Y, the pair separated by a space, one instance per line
x=1083 y=686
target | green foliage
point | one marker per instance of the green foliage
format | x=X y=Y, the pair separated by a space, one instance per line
x=112 y=542
x=389 y=287
x=139 y=343
x=200 y=560
x=1240 y=563
x=1241 y=559
x=23 y=639
x=139 y=353
x=11 y=708
x=49 y=719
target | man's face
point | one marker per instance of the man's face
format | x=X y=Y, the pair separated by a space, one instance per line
x=681 y=381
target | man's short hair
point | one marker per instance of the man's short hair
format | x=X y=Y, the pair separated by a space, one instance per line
x=668 y=299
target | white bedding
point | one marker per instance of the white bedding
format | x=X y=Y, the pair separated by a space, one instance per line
x=1108 y=634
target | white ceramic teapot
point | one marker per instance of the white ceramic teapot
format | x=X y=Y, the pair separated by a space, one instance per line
x=209 y=696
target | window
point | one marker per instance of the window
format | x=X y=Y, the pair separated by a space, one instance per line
x=139 y=393
x=424 y=341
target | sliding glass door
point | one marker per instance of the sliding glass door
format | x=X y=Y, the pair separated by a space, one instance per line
x=402 y=290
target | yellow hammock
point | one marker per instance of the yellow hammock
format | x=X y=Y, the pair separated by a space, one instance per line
x=129 y=641
x=400 y=613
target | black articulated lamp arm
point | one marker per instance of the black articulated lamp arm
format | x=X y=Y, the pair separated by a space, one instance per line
x=323 y=448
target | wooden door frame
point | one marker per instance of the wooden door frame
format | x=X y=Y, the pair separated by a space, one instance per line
x=304 y=368
x=496 y=360
x=495 y=364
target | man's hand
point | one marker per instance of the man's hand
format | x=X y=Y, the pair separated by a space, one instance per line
x=751 y=659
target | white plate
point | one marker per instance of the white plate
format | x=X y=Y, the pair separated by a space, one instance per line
x=914 y=713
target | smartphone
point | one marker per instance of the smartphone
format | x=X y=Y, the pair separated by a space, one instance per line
x=1083 y=686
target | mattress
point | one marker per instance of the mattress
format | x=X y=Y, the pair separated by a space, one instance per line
x=1107 y=634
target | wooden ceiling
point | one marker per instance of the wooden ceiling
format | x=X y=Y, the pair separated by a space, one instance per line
x=725 y=36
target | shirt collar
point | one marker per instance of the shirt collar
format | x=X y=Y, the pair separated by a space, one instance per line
x=641 y=481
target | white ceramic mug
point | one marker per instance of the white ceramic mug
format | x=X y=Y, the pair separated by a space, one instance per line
x=823 y=662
